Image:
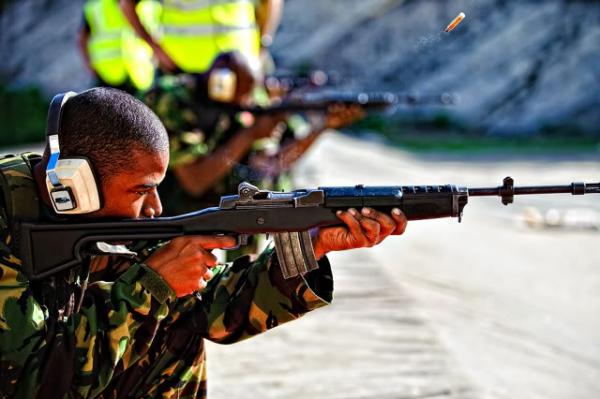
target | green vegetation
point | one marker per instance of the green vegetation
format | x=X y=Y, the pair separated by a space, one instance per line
x=442 y=133
x=22 y=116
x=23 y=120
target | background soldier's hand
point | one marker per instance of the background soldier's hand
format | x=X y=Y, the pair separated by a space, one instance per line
x=363 y=229
x=268 y=125
x=164 y=61
x=340 y=115
x=185 y=262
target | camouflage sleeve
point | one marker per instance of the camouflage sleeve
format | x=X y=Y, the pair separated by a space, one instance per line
x=115 y=325
x=246 y=298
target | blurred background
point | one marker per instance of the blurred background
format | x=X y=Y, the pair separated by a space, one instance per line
x=521 y=69
x=504 y=305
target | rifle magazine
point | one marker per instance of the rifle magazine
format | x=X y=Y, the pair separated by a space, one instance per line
x=295 y=253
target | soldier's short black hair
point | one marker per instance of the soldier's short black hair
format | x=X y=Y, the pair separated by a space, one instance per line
x=106 y=125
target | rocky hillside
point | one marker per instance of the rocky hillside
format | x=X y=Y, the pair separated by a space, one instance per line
x=518 y=66
x=38 y=45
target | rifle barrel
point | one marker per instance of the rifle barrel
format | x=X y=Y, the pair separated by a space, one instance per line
x=507 y=191
x=589 y=188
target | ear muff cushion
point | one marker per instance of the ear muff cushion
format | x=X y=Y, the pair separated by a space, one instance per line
x=79 y=185
x=222 y=85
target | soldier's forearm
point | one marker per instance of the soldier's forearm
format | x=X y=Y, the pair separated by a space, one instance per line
x=268 y=16
x=82 y=42
x=199 y=176
x=128 y=7
x=282 y=300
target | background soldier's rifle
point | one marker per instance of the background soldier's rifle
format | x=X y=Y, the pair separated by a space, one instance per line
x=47 y=248
x=316 y=101
x=289 y=81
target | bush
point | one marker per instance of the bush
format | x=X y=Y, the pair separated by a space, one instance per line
x=22 y=116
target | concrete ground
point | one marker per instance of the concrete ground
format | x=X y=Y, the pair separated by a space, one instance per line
x=488 y=308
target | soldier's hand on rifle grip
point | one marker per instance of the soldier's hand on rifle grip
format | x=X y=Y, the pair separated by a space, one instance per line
x=339 y=115
x=362 y=229
x=185 y=262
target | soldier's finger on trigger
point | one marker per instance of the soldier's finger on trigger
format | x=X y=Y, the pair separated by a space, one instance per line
x=178 y=243
x=212 y=242
x=198 y=254
x=210 y=260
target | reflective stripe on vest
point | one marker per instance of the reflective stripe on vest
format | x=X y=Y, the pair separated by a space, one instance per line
x=195 y=32
x=198 y=4
x=203 y=30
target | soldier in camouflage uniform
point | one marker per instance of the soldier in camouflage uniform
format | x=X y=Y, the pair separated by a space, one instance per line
x=213 y=149
x=116 y=327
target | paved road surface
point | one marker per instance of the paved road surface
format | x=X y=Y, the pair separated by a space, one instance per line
x=483 y=309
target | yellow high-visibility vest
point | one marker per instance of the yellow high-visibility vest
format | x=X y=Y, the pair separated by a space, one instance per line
x=194 y=32
x=117 y=54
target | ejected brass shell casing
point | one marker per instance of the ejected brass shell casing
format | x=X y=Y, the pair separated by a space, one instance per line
x=455 y=22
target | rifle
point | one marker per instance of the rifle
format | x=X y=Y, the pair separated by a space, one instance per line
x=48 y=248
x=314 y=101
x=311 y=80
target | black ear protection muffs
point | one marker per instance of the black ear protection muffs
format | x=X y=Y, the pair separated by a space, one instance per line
x=71 y=183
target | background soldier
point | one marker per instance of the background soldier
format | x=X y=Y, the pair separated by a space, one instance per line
x=214 y=149
x=110 y=48
x=132 y=328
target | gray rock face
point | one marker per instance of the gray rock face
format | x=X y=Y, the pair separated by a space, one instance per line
x=517 y=66
x=38 y=45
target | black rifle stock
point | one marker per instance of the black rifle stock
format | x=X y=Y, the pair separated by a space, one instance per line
x=47 y=248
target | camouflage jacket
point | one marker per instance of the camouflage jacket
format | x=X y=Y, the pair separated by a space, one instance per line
x=120 y=331
x=197 y=128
